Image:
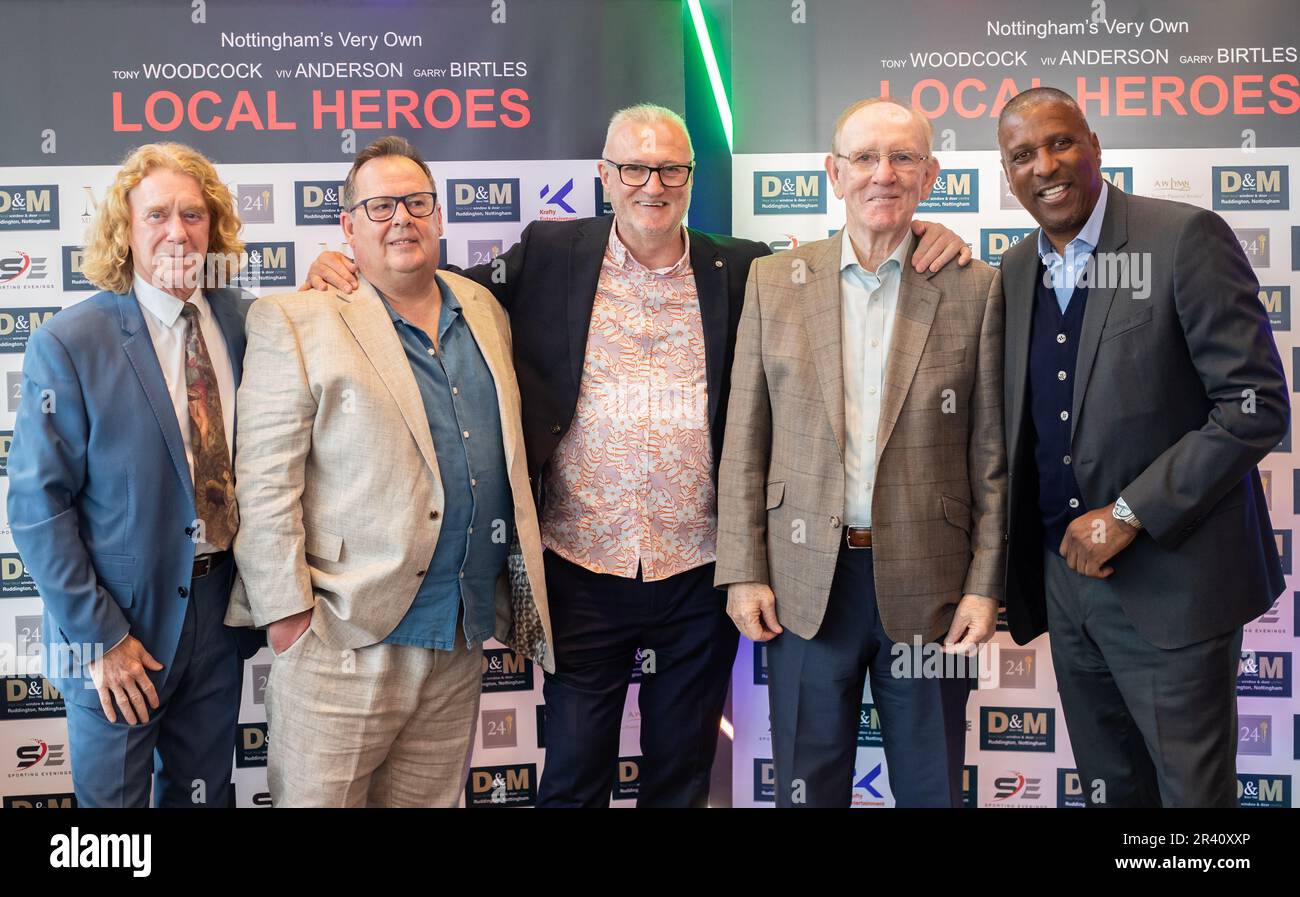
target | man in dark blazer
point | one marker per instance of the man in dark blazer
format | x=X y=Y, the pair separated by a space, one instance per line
x=121 y=490
x=1143 y=387
x=624 y=329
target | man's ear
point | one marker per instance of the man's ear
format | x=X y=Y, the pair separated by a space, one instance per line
x=833 y=175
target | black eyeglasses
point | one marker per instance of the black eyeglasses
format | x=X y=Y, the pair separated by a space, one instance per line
x=634 y=175
x=382 y=208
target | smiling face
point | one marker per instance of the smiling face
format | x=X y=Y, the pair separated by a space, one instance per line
x=882 y=201
x=1053 y=165
x=170 y=223
x=403 y=245
x=652 y=211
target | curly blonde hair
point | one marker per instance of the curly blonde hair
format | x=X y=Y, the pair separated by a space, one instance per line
x=107 y=259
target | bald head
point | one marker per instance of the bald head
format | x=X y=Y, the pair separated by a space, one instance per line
x=895 y=110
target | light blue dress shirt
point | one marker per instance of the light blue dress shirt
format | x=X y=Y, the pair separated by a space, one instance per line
x=1063 y=273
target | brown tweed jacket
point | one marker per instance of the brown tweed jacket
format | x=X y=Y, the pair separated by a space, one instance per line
x=938 y=506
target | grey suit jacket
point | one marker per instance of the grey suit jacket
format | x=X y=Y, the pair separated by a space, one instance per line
x=1177 y=397
x=938 y=502
x=339 y=493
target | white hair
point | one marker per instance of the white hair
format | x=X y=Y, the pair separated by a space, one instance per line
x=647 y=114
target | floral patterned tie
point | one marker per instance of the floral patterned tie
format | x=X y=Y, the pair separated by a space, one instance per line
x=214 y=481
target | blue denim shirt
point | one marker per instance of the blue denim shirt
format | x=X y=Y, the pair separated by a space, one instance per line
x=460 y=403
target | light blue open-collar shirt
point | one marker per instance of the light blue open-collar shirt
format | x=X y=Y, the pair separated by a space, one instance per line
x=1063 y=273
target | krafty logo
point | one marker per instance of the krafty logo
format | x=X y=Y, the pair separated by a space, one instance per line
x=251 y=743
x=316 y=202
x=1069 y=789
x=30 y=697
x=65 y=800
x=1257 y=245
x=764 y=780
x=1121 y=178
x=267 y=265
x=1014 y=786
x=504 y=670
x=1017 y=729
x=1251 y=187
x=39 y=755
x=29 y=207
x=1258 y=791
x=869 y=734
x=1254 y=735
x=996 y=241
x=14 y=579
x=501 y=786
x=955 y=190
x=865 y=792
x=556 y=202
x=1277 y=302
x=482 y=199
x=22 y=269
x=1264 y=674
x=627 y=783
x=789 y=192
x=74 y=280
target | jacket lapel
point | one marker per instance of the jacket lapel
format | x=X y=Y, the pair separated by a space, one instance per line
x=825 y=328
x=1018 y=274
x=586 y=254
x=1114 y=234
x=366 y=317
x=488 y=338
x=917 y=301
x=232 y=328
x=138 y=346
x=711 y=289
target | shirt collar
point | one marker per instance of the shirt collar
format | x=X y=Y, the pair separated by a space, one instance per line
x=165 y=307
x=849 y=258
x=1086 y=240
x=624 y=259
x=450 y=304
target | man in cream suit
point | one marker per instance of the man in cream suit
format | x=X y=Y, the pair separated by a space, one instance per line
x=382 y=481
x=860 y=502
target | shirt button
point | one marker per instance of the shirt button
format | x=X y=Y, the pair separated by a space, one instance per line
x=473 y=482
x=471 y=530
x=433 y=351
x=835 y=523
x=868 y=485
x=871 y=390
x=462 y=574
x=183 y=592
x=433 y=515
x=465 y=433
x=1065 y=415
x=871 y=437
x=556 y=428
x=455 y=391
x=1060 y=375
x=875 y=343
x=1066 y=459
x=419 y=572
x=1060 y=337
x=1074 y=503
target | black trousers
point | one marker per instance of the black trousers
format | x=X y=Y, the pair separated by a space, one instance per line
x=689 y=645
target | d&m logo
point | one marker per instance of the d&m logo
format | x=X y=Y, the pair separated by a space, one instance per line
x=1069 y=789
x=869 y=734
x=1255 y=243
x=250 y=745
x=764 y=780
x=501 y=786
x=482 y=252
x=789 y=193
x=627 y=783
x=29 y=207
x=1015 y=786
x=30 y=697
x=256 y=203
x=14 y=580
x=6 y=438
x=499 y=729
x=317 y=202
x=74 y=280
x=61 y=801
x=995 y=241
x=39 y=757
x=1258 y=791
x=1264 y=674
x=1017 y=729
x=603 y=205
x=760 y=663
x=970 y=782
x=1277 y=302
x=955 y=190
x=17 y=324
x=483 y=199
x=267 y=265
x=504 y=670
x=556 y=206
x=20 y=269
x=1254 y=735
x=1283 y=539
x=1251 y=187
x=1122 y=178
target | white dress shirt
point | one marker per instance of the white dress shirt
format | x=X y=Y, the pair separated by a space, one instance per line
x=167 y=331
x=869 y=305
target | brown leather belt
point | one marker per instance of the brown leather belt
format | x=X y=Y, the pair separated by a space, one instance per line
x=207 y=563
x=857 y=536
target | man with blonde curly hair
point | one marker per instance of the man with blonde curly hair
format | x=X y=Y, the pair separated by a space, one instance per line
x=121 y=491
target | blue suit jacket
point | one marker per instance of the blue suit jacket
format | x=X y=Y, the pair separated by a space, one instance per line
x=101 y=499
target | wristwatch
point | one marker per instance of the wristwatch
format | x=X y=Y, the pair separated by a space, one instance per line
x=1123 y=513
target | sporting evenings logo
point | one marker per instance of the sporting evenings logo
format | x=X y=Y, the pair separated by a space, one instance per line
x=251 y=743
x=504 y=670
x=501 y=786
x=1254 y=735
x=1277 y=302
x=1069 y=789
x=14 y=580
x=1251 y=187
x=789 y=193
x=1017 y=729
x=786 y=241
x=29 y=207
x=1014 y=787
x=996 y=241
x=38 y=756
x=1258 y=791
x=21 y=269
x=869 y=734
x=1264 y=674
x=1255 y=242
x=73 y=279
x=267 y=265
x=317 y=202
x=30 y=697
x=480 y=199
x=556 y=206
x=955 y=190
